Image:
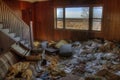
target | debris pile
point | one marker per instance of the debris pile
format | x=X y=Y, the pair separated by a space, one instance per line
x=90 y=60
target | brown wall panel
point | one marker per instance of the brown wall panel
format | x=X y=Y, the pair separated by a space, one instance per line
x=44 y=21
x=25 y=5
x=111 y=28
x=15 y=6
x=22 y=9
x=27 y=11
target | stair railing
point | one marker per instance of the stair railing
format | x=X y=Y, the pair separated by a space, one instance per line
x=14 y=23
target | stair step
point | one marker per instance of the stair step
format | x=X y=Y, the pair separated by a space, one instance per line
x=12 y=35
x=28 y=46
x=16 y=38
x=26 y=42
x=6 y=31
x=23 y=42
x=28 y=53
x=1 y=25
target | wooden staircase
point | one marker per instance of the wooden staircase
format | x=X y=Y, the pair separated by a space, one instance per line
x=13 y=26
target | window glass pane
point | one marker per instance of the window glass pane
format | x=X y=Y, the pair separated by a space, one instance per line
x=96 y=24
x=77 y=18
x=79 y=12
x=97 y=18
x=59 y=17
x=97 y=12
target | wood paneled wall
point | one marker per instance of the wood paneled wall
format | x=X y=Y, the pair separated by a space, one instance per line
x=22 y=9
x=111 y=21
x=27 y=11
x=43 y=19
x=15 y=6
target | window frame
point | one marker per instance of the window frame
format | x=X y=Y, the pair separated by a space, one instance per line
x=97 y=18
x=90 y=18
x=79 y=18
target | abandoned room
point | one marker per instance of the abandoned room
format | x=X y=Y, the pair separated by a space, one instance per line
x=59 y=39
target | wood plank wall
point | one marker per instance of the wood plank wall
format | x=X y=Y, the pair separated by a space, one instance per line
x=44 y=21
x=111 y=20
x=43 y=18
x=19 y=7
x=15 y=6
x=27 y=13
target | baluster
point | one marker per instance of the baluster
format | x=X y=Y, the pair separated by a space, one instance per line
x=1 y=8
x=3 y=15
x=27 y=36
x=15 y=27
x=10 y=23
x=21 y=31
x=19 y=25
x=7 y=21
x=14 y=23
x=0 y=11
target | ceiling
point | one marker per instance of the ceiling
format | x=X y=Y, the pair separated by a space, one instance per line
x=32 y=1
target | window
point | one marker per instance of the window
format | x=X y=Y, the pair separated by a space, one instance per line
x=97 y=18
x=79 y=18
x=60 y=18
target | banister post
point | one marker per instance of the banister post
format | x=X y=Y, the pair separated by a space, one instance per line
x=31 y=34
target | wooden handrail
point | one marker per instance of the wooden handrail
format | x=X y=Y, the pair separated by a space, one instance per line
x=14 y=23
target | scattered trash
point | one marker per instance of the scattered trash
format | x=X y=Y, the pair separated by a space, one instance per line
x=90 y=60
x=108 y=75
x=65 y=50
x=60 y=43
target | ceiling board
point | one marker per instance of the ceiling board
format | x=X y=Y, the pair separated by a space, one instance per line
x=32 y=1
